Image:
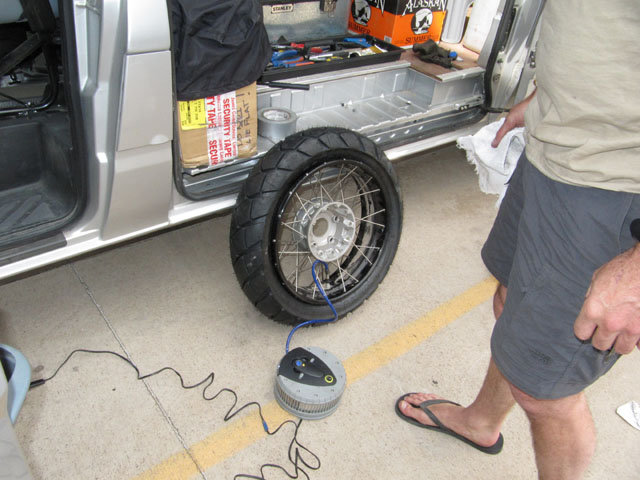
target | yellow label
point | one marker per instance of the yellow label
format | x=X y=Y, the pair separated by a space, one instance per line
x=193 y=114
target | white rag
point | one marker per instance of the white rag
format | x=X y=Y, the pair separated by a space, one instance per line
x=494 y=166
x=630 y=411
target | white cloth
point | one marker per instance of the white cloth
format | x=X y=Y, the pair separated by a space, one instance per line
x=631 y=413
x=493 y=165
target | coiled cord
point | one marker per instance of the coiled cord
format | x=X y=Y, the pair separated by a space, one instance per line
x=297 y=451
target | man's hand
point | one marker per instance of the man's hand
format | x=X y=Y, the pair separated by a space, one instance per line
x=514 y=119
x=610 y=315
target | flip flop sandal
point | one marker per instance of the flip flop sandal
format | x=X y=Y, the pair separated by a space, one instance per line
x=492 y=450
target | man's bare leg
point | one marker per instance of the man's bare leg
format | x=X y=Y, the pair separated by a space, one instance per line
x=498 y=300
x=563 y=433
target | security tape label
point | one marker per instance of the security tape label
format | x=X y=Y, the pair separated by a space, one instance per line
x=222 y=132
x=219 y=116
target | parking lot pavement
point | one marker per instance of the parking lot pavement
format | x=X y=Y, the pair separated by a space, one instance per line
x=172 y=300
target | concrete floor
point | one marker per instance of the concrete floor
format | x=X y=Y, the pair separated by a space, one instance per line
x=172 y=300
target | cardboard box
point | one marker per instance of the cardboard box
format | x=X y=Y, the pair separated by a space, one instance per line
x=400 y=22
x=220 y=130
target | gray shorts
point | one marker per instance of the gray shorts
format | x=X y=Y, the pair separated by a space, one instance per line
x=545 y=244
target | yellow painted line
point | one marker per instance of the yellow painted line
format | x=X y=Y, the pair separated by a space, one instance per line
x=399 y=342
x=247 y=430
x=218 y=446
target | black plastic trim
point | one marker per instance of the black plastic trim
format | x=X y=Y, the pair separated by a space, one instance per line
x=34 y=248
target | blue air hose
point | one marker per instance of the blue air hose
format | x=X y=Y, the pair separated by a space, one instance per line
x=324 y=295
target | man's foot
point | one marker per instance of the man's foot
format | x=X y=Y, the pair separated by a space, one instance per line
x=434 y=413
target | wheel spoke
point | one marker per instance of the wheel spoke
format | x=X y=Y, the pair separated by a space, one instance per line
x=283 y=244
x=297 y=270
x=352 y=277
x=291 y=276
x=339 y=175
x=370 y=192
x=292 y=252
x=374 y=213
x=338 y=183
x=362 y=253
x=322 y=189
x=366 y=218
x=366 y=183
x=344 y=287
x=316 y=184
x=292 y=229
x=309 y=261
x=302 y=204
x=291 y=222
x=369 y=221
x=367 y=247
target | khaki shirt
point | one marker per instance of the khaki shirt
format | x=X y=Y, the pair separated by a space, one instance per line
x=583 y=125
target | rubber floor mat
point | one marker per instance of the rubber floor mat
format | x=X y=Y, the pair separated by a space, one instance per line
x=30 y=206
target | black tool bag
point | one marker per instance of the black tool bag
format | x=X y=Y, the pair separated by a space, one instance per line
x=218 y=45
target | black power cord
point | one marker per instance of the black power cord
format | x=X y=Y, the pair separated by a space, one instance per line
x=296 y=449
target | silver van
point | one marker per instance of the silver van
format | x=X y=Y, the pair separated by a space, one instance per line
x=90 y=154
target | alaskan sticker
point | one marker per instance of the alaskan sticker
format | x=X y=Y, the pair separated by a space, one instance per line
x=361 y=11
x=283 y=8
x=421 y=21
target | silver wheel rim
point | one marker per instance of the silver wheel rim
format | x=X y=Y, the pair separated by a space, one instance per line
x=335 y=213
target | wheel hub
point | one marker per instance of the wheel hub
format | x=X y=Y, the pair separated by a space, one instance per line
x=329 y=229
